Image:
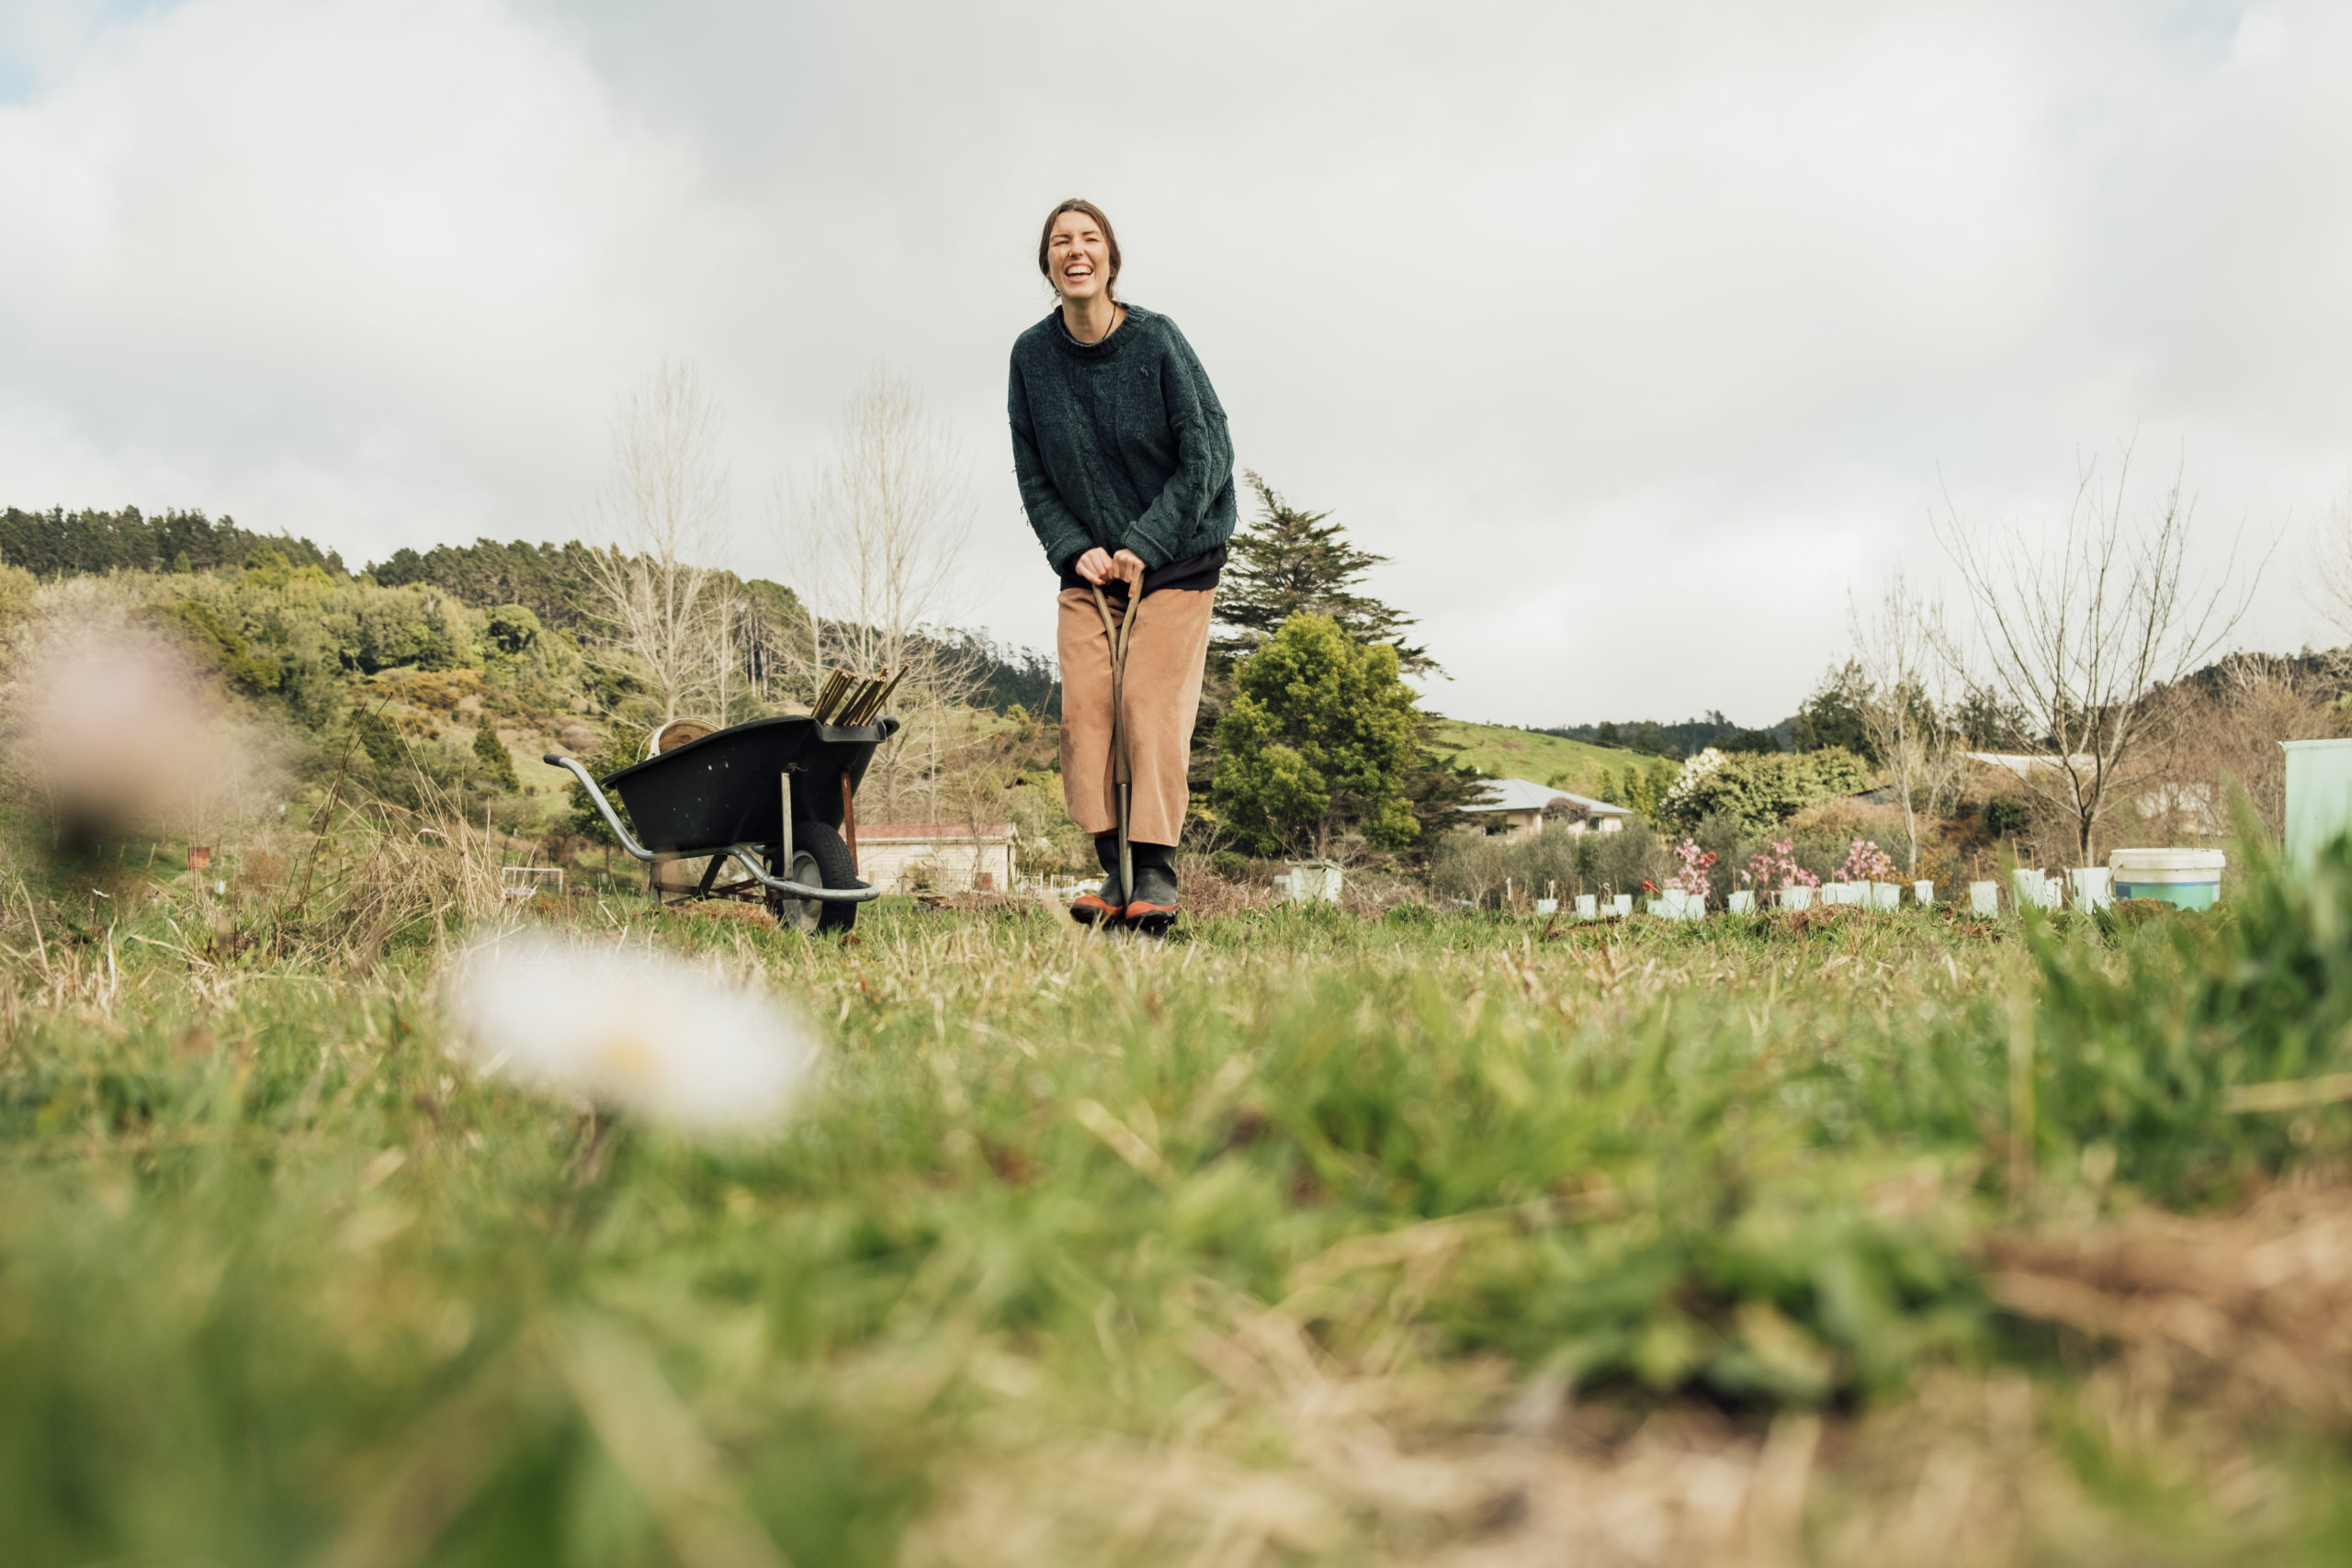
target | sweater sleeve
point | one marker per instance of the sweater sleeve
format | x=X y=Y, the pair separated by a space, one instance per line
x=1057 y=529
x=1203 y=458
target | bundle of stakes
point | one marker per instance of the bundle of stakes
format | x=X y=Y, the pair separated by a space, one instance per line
x=853 y=699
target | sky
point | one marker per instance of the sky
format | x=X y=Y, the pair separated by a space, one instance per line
x=1641 y=339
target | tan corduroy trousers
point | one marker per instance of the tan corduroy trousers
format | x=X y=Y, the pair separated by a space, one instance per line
x=1166 y=653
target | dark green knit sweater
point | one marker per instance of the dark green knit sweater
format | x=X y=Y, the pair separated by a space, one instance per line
x=1120 y=443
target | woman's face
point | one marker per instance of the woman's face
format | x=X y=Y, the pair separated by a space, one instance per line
x=1078 y=257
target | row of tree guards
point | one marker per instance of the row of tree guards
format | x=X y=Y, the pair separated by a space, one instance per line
x=2186 y=878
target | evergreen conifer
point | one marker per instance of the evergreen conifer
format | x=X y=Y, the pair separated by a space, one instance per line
x=1288 y=562
x=496 y=764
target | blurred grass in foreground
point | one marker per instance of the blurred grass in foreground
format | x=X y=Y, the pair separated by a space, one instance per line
x=1443 y=1237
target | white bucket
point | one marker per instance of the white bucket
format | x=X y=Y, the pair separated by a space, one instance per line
x=2094 y=887
x=1547 y=906
x=1742 y=902
x=2025 y=888
x=1923 y=894
x=2189 y=879
x=1795 y=898
x=1622 y=903
x=1985 y=897
x=1886 y=895
x=1588 y=907
x=1313 y=882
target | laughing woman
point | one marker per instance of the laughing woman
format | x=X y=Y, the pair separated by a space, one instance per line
x=1126 y=473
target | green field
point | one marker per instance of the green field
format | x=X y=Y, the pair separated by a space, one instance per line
x=1305 y=1236
x=1499 y=751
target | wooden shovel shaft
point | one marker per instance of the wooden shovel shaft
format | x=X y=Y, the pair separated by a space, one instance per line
x=1121 y=791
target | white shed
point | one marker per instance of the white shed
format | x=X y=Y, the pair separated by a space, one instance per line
x=945 y=857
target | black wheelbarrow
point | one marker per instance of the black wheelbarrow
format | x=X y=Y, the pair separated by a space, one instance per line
x=726 y=796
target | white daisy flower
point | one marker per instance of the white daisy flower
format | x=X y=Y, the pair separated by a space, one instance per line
x=639 y=1030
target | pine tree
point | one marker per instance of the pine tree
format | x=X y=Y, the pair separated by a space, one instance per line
x=1289 y=562
x=495 y=763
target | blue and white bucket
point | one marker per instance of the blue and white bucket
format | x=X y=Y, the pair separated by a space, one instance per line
x=2190 y=879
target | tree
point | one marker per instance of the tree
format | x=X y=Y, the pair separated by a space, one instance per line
x=2330 y=581
x=1904 y=656
x=1643 y=789
x=666 y=509
x=2078 y=629
x=491 y=760
x=1287 y=562
x=876 y=533
x=1319 y=744
x=1832 y=716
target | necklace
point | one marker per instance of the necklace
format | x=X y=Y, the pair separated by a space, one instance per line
x=1117 y=312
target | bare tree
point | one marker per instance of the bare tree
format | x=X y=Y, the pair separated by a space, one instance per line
x=1906 y=660
x=2079 y=630
x=876 y=532
x=2329 y=586
x=2223 y=735
x=664 y=512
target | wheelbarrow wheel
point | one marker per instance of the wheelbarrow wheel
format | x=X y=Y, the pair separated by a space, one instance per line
x=819 y=859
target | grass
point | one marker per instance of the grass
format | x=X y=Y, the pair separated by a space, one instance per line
x=1500 y=752
x=1304 y=1236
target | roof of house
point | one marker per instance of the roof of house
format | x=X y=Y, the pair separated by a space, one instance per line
x=1523 y=794
x=2024 y=762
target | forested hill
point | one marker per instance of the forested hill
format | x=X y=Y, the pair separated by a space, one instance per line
x=58 y=542
x=550 y=580
x=553 y=581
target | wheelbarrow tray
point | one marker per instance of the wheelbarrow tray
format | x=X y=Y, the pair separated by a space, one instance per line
x=723 y=790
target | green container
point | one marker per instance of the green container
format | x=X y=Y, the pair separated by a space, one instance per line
x=2319 y=795
x=2190 y=879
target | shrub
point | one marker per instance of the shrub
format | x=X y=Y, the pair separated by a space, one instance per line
x=2005 y=816
x=1471 y=866
x=1319 y=742
x=1760 y=790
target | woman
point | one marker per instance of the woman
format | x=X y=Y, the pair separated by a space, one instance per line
x=1126 y=473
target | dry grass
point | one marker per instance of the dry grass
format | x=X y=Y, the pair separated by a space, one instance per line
x=2250 y=1310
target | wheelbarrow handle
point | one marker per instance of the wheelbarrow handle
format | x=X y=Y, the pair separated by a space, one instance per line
x=748 y=854
x=596 y=796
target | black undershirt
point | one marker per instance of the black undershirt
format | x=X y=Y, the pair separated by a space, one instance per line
x=1193 y=573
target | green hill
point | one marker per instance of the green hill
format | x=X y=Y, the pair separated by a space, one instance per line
x=1502 y=752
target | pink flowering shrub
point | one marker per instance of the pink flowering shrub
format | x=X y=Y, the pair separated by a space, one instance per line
x=1866 y=863
x=1692 y=877
x=1776 y=866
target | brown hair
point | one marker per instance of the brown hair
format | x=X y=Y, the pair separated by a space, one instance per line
x=1110 y=240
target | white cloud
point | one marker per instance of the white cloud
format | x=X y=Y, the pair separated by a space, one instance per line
x=1636 y=336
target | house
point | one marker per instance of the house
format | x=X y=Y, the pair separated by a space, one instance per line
x=1520 y=807
x=941 y=857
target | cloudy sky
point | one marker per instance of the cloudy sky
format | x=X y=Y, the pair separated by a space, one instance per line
x=1637 y=337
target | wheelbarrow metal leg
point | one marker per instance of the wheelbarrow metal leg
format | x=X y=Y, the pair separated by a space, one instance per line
x=783 y=783
x=849 y=821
